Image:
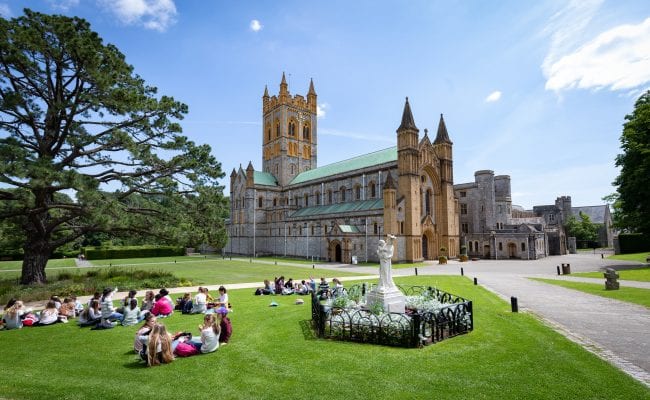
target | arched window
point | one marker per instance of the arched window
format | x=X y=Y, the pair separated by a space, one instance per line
x=329 y=197
x=373 y=190
x=260 y=202
x=277 y=128
x=305 y=132
x=427 y=202
x=293 y=169
x=375 y=229
x=357 y=192
x=292 y=128
x=318 y=198
x=295 y=200
x=306 y=200
x=342 y=194
x=523 y=246
x=275 y=201
x=268 y=132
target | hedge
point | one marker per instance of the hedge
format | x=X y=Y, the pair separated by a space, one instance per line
x=103 y=253
x=634 y=242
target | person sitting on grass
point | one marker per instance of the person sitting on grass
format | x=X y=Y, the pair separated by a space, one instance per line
x=91 y=315
x=323 y=289
x=131 y=313
x=210 y=331
x=162 y=307
x=157 y=346
x=147 y=302
x=302 y=288
x=96 y=296
x=109 y=315
x=50 y=315
x=223 y=298
x=200 y=304
x=183 y=302
x=225 y=325
x=164 y=292
x=149 y=321
x=13 y=318
x=67 y=309
x=126 y=302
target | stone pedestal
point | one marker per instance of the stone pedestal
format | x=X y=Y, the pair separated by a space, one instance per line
x=392 y=299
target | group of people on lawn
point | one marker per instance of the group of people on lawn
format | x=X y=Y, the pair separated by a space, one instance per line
x=152 y=341
x=304 y=287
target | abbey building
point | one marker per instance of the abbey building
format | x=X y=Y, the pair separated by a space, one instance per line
x=339 y=212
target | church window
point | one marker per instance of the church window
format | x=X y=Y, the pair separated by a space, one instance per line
x=423 y=178
x=306 y=200
x=342 y=194
x=318 y=198
x=470 y=247
x=463 y=209
x=260 y=202
x=427 y=202
x=289 y=233
x=306 y=152
x=463 y=194
x=295 y=200
x=268 y=133
x=476 y=245
x=357 y=192
x=275 y=201
x=551 y=217
x=329 y=197
x=293 y=169
x=523 y=246
x=277 y=128
x=292 y=128
x=305 y=132
x=312 y=229
x=500 y=246
x=401 y=227
x=373 y=190
x=464 y=228
x=375 y=229
x=300 y=232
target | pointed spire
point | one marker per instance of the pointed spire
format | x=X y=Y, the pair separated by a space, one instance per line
x=442 y=136
x=250 y=167
x=233 y=173
x=284 y=80
x=389 y=184
x=311 y=88
x=266 y=91
x=407 y=118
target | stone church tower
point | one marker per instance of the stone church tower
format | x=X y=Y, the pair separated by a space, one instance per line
x=289 y=129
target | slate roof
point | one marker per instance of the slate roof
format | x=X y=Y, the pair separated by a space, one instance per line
x=363 y=205
x=352 y=164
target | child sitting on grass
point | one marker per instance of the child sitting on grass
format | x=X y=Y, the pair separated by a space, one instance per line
x=91 y=315
x=162 y=307
x=50 y=315
x=131 y=313
x=149 y=321
x=158 y=345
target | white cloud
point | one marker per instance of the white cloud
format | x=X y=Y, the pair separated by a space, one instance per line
x=5 y=11
x=321 y=110
x=152 y=14
x=494 y=96
x=64 y=5
x=618 y=59
x=256 y=25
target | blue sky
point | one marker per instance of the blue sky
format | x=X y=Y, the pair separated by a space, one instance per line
x=537 y=90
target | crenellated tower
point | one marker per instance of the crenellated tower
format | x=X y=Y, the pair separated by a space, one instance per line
x=289 y=132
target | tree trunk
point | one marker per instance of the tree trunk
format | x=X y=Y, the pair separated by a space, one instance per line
x=37 y=252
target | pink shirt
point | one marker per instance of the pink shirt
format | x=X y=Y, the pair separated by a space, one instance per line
x=162 y=307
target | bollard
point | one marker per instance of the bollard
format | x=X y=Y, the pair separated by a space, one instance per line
x=110 y=264
x=475 y=281
x=602 y=255
x=416 y=271
x=174 y=261
x=313 y=266
x=513 y=304
x=558 y=270
x=276 y=263
x=462 y=273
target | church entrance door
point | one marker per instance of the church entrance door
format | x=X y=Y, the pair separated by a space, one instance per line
x=425 y=247
x=512 y=250
x=337 y=253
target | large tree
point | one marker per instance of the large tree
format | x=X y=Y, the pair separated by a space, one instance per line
x=634 y=180
x=76 y=119
x=583 y=230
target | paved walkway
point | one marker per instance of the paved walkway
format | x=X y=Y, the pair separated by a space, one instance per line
x=615 y=331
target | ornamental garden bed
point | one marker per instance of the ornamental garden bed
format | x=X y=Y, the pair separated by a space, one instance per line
x=431 y=316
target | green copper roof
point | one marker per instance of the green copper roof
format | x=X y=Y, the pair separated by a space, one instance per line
x=364 y=205
x=264 y=178
x=364 y=161
x=349 y=229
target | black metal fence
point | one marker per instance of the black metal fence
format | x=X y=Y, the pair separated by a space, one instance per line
x=411 y=329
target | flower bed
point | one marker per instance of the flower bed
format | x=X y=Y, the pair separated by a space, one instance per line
x=431 y=316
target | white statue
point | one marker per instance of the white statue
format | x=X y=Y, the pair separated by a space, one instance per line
x=385 y=253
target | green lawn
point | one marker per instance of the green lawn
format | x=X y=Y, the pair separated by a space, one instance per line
x=274 y=355
x=641 y=274
x=640 y=257
x=628 y=294
x=207 y=271
x=18 y=265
